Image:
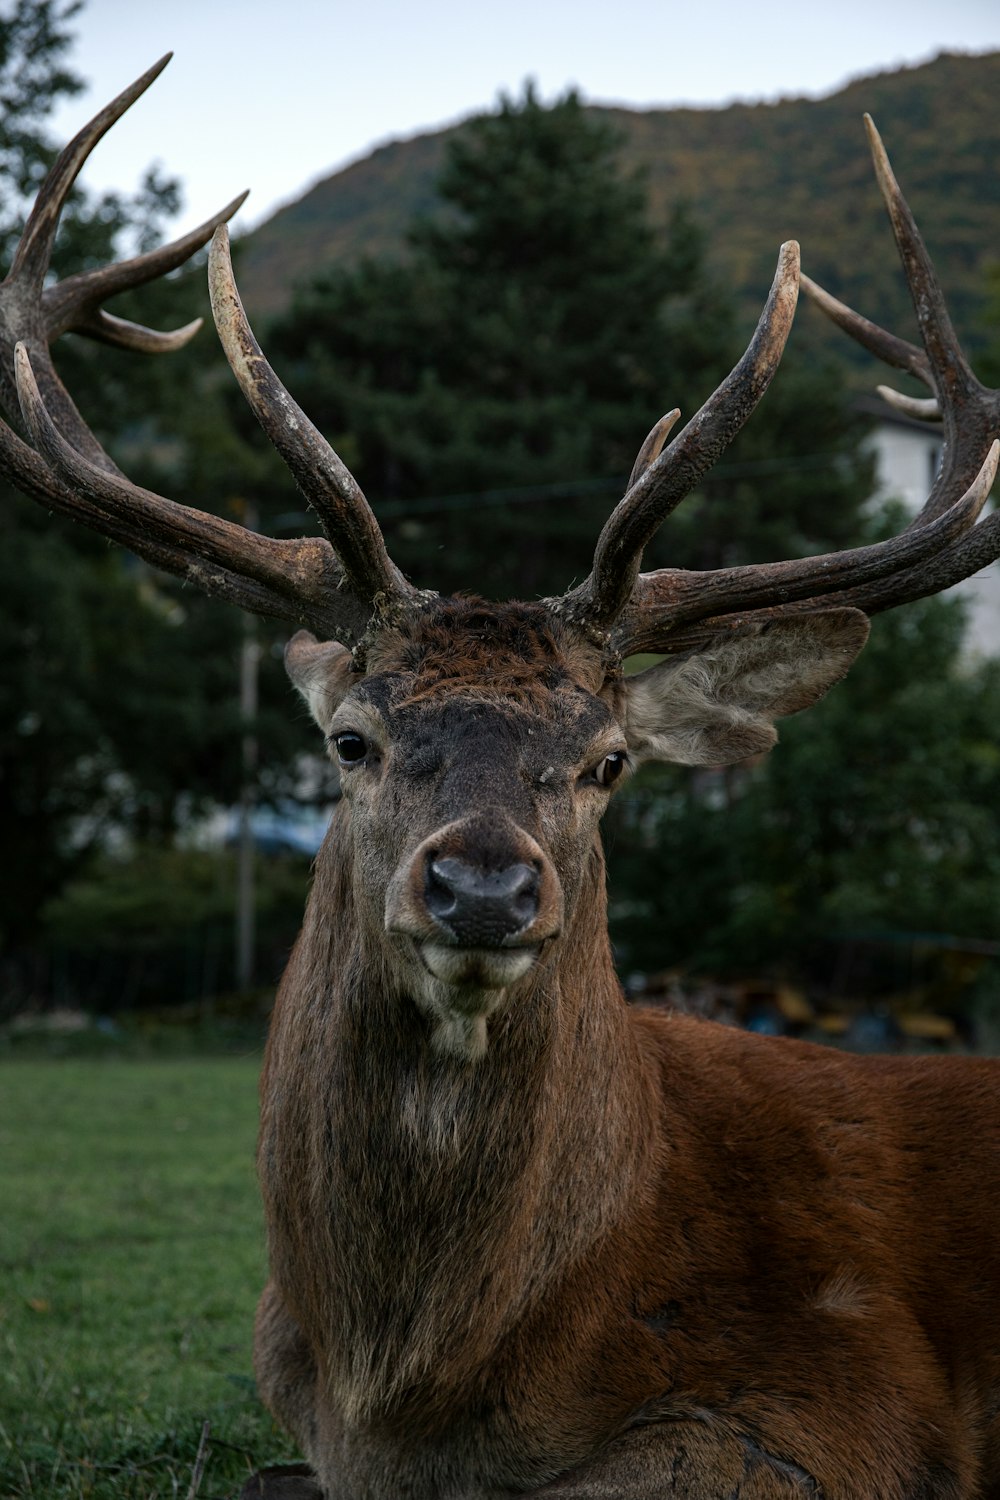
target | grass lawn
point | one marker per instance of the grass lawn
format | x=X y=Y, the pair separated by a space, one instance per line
x=131 y=1249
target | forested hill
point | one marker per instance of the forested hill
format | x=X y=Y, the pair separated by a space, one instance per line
x=755 y=175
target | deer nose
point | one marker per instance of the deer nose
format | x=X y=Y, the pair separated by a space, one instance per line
x=480 y=908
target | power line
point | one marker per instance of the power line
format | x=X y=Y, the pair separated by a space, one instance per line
x=540 y=494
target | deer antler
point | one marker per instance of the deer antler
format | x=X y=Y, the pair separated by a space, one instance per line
x=299 y=580
x=327 y=484
x=969 y=411
x=342 y=585
x=662 y=477
x=674 y=610
x=36 y=315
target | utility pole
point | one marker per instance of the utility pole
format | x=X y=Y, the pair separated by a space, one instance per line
x=246 y=925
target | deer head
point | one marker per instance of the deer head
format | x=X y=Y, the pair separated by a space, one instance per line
x=478 y=751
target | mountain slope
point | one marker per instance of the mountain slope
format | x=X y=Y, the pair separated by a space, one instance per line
x=755 y=175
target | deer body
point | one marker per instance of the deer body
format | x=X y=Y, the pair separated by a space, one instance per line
x=523 y=1239
x=793 y=1327
x=607 y=1237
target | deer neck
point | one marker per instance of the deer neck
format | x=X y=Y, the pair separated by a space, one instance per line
x=421 y=1204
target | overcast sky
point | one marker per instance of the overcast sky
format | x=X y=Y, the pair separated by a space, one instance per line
x=273 y=94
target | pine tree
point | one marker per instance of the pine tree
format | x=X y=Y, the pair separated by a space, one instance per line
x=117 y=689
x=491 y=389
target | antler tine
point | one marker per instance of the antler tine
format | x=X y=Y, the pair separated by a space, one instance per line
x=885 y=346
x=969 y=411
x=921 y=409
x=36 y=315
x=672 y=608
x=31 y=260
x=72 y=305
x=298 y=580
x=119 y=332
x=663 y=483
x=978 y=549
x=949 y=367
x=325 y=481
x=653 y=445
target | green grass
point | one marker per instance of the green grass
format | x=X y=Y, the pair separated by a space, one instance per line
x=131 y=1253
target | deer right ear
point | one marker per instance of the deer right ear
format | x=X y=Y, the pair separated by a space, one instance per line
x=718 y=706
x=322 y=671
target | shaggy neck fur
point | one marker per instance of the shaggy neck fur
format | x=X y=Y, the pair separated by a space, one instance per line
x=420 y=1204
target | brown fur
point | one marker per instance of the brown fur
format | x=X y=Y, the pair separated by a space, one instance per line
x=477 y=649
x=613 y=1253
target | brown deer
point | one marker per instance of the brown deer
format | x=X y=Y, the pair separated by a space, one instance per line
x=524 y=1239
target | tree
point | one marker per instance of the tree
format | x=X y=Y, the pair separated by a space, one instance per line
x=516 y=357
x=878 y=812
x=988 y=364
x=33 y=77
x=118 y=711
x=513 y=361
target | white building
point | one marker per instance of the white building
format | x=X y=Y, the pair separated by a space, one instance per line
x=907 y=458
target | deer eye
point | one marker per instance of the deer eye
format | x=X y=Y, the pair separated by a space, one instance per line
x=351 y=748
x=610 y=768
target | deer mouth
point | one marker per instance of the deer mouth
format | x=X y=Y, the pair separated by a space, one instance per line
x=474 y=970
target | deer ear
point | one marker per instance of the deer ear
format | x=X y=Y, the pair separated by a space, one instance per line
x=719 y=706
x=322 y=671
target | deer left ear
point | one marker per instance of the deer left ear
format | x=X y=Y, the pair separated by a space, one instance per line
x=322 y=671
x=719 y=706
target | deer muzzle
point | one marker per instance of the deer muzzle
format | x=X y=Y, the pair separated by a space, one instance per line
x=479 y=897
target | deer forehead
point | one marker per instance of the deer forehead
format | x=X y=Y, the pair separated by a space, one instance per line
x=488 y=720
x=516 y=650
x=484 y=679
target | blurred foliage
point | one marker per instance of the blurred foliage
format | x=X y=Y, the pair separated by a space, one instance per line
x=989 y=362
x=878 y=812
x=159 y=895
x=155 y=928
x=118 y=688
